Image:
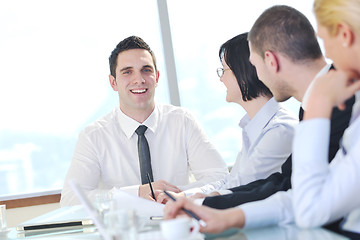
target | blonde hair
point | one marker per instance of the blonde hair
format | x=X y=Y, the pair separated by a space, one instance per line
x=329 y=13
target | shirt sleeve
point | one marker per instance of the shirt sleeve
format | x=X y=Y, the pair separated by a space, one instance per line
x=204 y=160
x=265 y=156
x=85 y=170
x=271 y=151
x=323 y=192
x=274 y=210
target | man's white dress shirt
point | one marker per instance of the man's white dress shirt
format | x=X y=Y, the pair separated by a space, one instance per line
x=106 y=154
x=322 y=192
x=266 y=144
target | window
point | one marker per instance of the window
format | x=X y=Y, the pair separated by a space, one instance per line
x=198 y=29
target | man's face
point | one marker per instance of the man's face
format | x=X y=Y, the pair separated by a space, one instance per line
x=136 y=80
x=267 y=72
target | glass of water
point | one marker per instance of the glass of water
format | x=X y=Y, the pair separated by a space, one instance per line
x=102 y=201
x=121 y=223
x=3 y=218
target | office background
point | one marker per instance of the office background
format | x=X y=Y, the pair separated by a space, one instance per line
x=54 y=73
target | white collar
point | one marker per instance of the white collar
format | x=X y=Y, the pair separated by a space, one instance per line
x=323 y=71
x=129 y=125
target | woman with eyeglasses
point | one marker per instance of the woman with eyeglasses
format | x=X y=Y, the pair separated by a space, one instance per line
x=267 y=128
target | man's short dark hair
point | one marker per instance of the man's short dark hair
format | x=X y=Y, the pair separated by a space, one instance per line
x=132 y=42
x=286 y=30
x=236 y=55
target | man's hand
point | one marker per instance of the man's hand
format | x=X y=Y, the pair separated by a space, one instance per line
x=145 y=192
x=216 y=220
x=163 y=198
x=203 y=195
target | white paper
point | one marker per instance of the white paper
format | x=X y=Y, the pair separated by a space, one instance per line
x=142 y=206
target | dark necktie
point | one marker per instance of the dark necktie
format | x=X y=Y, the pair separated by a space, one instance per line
x=144 y=155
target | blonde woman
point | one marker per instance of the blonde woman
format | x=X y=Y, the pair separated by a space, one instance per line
x=323 y=193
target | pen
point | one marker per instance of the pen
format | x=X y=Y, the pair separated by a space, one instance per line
x=187 y=211
x=152 y=190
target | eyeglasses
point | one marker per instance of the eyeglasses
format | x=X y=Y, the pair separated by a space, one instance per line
x=220 y=71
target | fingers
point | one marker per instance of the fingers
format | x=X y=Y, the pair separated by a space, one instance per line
x=198 y=195
x=352 y=87
x=355 y=85
x=212 y=194
x=143 y=190
x=157 y=193
x=342 y=106
x=163 y=185
x=216 y=220
x=173 y=209
x=149 y=197
x=172 y=188
x=162 y=198
x=329 y=90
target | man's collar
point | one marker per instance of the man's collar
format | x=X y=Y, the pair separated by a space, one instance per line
x=323 y=71
x=129 y=125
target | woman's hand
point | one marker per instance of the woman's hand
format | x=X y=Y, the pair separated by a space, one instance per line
x=330 y=90
x=216 y=220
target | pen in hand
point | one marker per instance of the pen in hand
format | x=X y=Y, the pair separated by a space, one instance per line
x=152 y=190
x=187 y=211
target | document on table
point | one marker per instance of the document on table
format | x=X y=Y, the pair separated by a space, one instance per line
x=143 y=207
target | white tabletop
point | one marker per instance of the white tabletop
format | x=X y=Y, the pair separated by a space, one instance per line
x=151 y=230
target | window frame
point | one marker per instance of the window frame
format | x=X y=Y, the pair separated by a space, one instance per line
x=31 y=199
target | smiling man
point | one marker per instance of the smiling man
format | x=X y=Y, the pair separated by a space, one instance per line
x=106 y=155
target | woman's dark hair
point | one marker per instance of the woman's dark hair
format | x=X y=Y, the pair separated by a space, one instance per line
x=236 y=54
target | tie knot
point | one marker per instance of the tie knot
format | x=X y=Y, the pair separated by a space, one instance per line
x=141 y=130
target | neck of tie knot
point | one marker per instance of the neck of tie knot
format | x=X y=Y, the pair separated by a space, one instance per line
x=141 y=130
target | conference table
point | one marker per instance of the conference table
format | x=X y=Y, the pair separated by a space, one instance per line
x=150 y=230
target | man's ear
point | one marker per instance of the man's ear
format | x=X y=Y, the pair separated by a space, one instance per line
x=271 y=61
x=157 y=78
x=113 y=83
x=346 y=35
